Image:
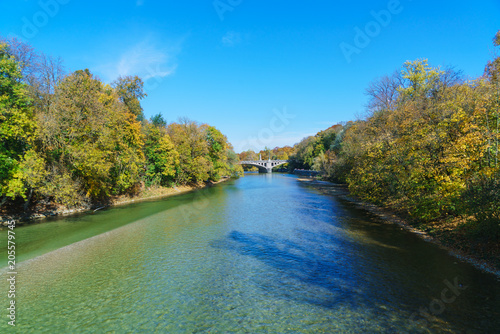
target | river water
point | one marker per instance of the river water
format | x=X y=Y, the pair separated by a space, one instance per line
x=262 y=254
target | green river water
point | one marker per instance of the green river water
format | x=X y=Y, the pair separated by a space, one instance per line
x=262 y=254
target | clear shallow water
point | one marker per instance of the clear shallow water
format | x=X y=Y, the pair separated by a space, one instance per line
x=263 y=254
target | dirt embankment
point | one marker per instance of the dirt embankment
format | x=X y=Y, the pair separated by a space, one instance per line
x=446 y=233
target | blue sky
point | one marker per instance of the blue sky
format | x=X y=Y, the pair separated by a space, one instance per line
x=266 y=73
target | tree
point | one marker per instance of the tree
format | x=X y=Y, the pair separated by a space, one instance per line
x=493 y=67
x=162 y=159
x=40 y=72
x=190 y=142
x=248 y=155
x=217 y=152
x=235 y=169
x=420 y=79
x=92 y=134
x=304 y=157
x=17 y=125
x=158 y=121
x=130 y=89
x=383 y=93
x=492 y=72
x=30 y=176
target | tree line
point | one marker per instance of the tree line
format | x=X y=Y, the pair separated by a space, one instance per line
x=428 y=147
x=73 y=140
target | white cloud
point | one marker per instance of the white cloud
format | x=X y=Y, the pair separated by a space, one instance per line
x=231 y=38
x=144 y=59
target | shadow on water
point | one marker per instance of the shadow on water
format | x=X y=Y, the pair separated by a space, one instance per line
x=374 y=275
x=322 y=271
x=324 y=280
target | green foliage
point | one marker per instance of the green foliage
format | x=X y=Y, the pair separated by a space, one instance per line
x=217 y=148
x=130 y=89
x=235 y=169
x=433 y=154
x=304 y=153
x=158 y=121
x=17 y=125
x=313 y=152
x=31 y=174
x=63 y=189
x=481 y=199
x=190 y=143
x=419 y=155
x=162 y=159
x=421 y=79
x=91 y=133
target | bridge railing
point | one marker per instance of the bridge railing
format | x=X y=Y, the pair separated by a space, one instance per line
x=263 y=161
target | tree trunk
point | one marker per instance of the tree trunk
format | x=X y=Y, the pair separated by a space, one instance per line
x=4 y=199
x=27 y=203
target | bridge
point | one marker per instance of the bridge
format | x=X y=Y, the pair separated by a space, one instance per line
x=265 y=166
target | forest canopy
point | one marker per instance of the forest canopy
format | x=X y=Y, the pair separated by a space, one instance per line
x=73 y=140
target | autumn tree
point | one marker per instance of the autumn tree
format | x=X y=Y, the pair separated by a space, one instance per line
x=130 y=89
x=217 y=152
x=420 y=78
x=162 y=159
x=92 y=133
x=248 y=155
x=235 y=169
x=190 y=141
x=17 y=126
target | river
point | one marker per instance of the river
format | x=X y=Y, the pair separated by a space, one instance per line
x=261 y=254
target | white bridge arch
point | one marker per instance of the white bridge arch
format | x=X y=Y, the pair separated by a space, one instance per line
x=265 y=166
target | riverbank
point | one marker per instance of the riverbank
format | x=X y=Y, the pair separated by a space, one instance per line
x=45 y=211
x=445 y=234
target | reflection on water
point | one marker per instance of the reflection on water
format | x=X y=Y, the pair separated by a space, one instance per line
x=261 y=254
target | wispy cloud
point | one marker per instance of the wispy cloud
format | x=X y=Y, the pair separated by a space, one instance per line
x=139 y=2
x=146 y=59
x=231 y=38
